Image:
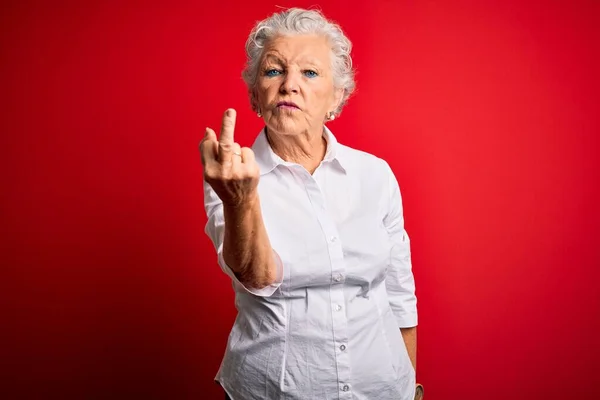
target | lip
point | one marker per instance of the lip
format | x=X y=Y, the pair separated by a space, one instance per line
x=287 y=104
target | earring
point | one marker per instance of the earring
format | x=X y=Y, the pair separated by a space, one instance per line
x=259 y=114
x=331 y=116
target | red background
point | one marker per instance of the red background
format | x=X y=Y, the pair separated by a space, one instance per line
x=486 y=111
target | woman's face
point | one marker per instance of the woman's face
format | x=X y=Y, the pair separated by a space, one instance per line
x=294 y=90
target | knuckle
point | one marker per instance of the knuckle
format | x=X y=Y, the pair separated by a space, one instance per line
x=209 y=173
x=226 y=146
x=237 y=175
x=214 y=173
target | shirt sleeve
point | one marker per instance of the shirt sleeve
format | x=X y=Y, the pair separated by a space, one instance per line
x=400 y=282
x=215 y=230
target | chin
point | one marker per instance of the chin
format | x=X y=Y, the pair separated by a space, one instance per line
x=284 y=126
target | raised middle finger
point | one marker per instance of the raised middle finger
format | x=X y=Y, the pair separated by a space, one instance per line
x=226 y=136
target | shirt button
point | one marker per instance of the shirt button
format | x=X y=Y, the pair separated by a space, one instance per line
x=343 y=347
x=337 y=277
x=346 y=388
x=333 y=239
x=338 y=307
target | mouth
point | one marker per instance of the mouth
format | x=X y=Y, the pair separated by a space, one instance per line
x=287 y=105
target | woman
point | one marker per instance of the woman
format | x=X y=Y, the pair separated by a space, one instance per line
x=310 y=231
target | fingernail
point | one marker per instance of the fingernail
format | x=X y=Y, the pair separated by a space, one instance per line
x=230 y=112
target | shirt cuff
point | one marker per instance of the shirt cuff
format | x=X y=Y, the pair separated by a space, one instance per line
x=407 y=320
x=263 y=292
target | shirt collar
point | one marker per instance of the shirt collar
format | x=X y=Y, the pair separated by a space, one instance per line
x=267 y=159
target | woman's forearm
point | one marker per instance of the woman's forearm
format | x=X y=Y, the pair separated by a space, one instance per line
x=410 y=341
x=246 y=246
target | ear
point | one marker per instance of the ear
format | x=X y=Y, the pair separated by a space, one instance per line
x=338 y=95
x=253 y=99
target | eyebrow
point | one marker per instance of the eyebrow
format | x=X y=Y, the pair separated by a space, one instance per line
x=274 y=58
x=308 y=60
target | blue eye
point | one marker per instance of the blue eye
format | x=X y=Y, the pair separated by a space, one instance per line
x=310 y=73
x=272 y=72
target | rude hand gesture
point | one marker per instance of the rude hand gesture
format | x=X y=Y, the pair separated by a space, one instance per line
x=229 y=169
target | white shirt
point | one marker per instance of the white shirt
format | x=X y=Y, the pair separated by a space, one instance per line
x=329 y=327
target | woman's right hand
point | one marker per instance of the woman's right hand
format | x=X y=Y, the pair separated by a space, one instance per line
x=230 y=170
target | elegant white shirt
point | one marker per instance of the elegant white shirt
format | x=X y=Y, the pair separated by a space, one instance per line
x=329 y=327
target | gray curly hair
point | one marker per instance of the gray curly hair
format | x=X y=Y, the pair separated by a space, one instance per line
x=295 y=21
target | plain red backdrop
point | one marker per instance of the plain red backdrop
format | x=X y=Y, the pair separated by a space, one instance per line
x=486 y=111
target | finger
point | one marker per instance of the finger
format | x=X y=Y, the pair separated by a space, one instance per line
x=210 y=134
x=247 y=155
x=226 y=136
x=236 y=154
x=208 y=146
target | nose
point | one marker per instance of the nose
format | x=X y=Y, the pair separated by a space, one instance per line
x=290 y=83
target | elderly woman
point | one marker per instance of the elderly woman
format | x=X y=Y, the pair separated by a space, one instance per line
x=311 y=232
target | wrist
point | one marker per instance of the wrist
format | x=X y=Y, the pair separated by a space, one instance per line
x=245 y=204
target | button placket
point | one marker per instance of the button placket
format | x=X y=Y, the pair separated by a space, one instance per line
x=338 y=268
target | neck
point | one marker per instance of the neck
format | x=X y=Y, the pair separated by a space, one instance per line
x=306 y=149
